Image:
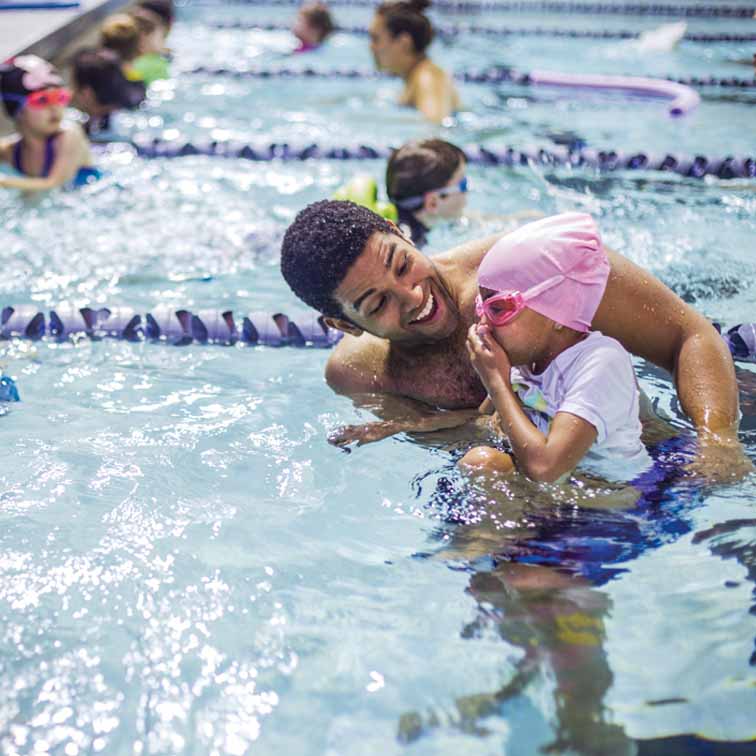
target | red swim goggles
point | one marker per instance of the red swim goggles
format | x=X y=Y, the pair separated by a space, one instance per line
x=47 y=98
x=500 y=308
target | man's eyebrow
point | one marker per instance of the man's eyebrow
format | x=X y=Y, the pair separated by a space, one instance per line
x=357 y=302
x=390 y=257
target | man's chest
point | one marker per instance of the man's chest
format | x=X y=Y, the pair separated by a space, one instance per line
x=442 y=380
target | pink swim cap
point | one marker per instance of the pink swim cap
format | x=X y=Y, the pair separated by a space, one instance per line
x=563 y=257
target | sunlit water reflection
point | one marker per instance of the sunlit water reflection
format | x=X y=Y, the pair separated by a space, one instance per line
x=188 y=567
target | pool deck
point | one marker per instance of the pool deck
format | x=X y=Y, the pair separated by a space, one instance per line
x=48 y=32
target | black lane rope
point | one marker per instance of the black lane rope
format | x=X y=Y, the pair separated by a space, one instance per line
x=547 y=6
x=493 y=75
x=692 y=166
x=449 y=32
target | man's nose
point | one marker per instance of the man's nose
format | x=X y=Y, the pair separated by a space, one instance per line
x=413 y=294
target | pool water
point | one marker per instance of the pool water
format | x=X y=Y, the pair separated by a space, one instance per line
x=187 y=566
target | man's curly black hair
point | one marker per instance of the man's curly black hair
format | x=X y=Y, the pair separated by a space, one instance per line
x=321 y=245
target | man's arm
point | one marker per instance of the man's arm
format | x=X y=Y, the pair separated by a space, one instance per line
x=358 y=365
x=357 y=368
x=652 y=322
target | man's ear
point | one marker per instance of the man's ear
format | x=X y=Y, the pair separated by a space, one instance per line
x=343 y=325
x=398 y=231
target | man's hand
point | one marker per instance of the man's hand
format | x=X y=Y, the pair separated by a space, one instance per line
x=377 y=431
x=490 y=361
x=358 y=435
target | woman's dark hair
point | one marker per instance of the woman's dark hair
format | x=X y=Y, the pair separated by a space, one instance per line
x=420 y=167
x=408 y=16
x=320 y=246
x=318 y=16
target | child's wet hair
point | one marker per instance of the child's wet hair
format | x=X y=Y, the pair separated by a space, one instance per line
x=319 y=18
x=421 y=166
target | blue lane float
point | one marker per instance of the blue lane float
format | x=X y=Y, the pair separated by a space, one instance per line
x=449 y=32
x=181 y=327
x=176 y=326
x=682 y=98
x=543 y=6
x=603 y=161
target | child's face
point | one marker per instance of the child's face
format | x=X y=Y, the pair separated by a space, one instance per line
x=154 y=42
x=304 y=31
x=42 y=121
x=450 y=204
x=525 y=338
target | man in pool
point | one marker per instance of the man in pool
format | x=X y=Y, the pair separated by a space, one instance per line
x=406 y=317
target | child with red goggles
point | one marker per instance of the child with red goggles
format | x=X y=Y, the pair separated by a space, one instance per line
x=46 y=153
x=564 y=394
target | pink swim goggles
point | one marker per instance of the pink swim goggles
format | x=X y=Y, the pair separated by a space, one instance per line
x=500 y=308
x=505 y=306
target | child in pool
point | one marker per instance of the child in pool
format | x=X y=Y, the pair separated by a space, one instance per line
x=426 y=181
x=152 y=63
x=120 y=34
x=312 y=26
x=47 y=152
x=560 y=390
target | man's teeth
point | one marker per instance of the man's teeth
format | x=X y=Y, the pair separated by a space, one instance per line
x=426 y=310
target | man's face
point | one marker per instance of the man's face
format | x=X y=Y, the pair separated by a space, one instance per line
x=393 y=291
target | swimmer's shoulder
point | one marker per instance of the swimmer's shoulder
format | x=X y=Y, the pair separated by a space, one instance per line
x=73 y=140
x=359 y=365
x=6 y=147
x=468 y=256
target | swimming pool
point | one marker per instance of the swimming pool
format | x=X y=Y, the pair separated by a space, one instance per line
x=188 y=567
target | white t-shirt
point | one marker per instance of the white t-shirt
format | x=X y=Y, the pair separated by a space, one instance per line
x=595 y=380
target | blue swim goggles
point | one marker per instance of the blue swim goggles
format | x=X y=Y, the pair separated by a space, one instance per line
x=413 y=203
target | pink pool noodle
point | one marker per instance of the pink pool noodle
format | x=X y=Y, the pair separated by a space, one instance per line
x=684 y=99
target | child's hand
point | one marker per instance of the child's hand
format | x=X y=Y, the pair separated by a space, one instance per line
x=490 y=361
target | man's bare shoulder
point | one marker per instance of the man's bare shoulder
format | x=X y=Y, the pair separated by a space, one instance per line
x=358 y=365
x=467 y=256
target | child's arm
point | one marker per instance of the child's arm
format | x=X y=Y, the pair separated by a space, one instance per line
x=540 y=457
x=70 y=147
